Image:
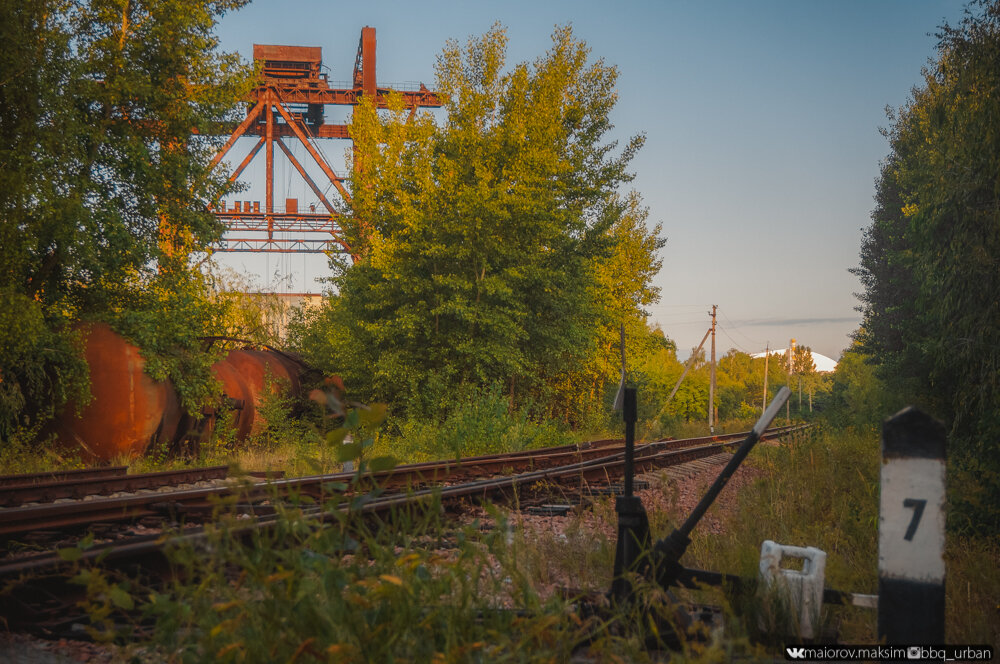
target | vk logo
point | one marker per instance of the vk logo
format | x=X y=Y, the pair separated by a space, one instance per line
x=796 y=653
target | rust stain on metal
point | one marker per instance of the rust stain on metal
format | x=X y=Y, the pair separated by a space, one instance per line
x=250 y=376
x=130 y=410
x=127 y=404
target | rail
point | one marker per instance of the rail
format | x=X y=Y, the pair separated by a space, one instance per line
x=38 y=597
x=22 y=520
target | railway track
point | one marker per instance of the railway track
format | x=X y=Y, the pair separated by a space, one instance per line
x=176 y=507
x=38 y=598
x=101 y=484
x=30 y=479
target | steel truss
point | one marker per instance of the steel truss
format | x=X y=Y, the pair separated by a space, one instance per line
x=289 y=104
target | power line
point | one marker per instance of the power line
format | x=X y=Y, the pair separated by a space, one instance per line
x=735 y=327
x=680 y=322
x=736 y=343
x=676 y=306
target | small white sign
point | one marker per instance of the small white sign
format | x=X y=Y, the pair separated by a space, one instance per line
x=911 y=520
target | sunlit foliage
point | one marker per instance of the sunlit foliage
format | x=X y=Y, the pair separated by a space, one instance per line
x=497 y=248
x=103 y=190
x=928 y=261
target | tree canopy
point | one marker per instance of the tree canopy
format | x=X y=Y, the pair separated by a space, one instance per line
x=103 y=190
x=928 y=260
x=498 y=247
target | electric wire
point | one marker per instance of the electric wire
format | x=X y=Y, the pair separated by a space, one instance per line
x=735 y=328
x=736 y=343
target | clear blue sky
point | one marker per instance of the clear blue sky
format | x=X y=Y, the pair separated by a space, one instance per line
x=762 y=123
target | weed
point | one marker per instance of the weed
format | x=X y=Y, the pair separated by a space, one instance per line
x=822 y=490
x=26 y=450
x=481 y=422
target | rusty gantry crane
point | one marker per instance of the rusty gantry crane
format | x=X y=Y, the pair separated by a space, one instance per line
x=289 y=102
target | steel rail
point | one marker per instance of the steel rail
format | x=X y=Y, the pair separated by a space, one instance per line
x=18 y=521
x=539 y=459
x=525 y=460
x=36 y=589
x=28 y=479
x=77 y=487
x=601 y=469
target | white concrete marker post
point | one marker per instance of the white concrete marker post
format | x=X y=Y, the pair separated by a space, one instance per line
x=803 y=589
x=911 y=530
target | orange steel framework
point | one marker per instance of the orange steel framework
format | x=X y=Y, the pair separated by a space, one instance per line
x=289 y=103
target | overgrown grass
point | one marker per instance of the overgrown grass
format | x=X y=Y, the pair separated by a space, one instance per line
x=481 y=422
x=28 y=451
x=818 y=488
x=287 y=438
x=290 y=440
x=822 y=490
x=680 y=429
x=353 y=593
x=419 y=589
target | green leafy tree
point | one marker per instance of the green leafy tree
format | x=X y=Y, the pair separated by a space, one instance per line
x=658 y=373
x=622 y=289
x=928 y=263
x=36 y=357
x=483 y=242
x=777 y=373
x=802 y=360
x=242 y=309
x=858 y=398
x=101 y=184
x=888 y=298
x=740 y=383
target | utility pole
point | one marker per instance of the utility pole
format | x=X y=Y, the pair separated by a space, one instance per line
x=767 y=356
x=711 y=384
x=791 y=369
x=687 y=367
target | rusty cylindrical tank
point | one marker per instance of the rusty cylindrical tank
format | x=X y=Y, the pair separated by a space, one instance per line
x=127 y=406
x=129 y=410
x=249 y=377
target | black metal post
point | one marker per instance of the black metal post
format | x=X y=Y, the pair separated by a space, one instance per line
x=630 y=415
x=633 y=523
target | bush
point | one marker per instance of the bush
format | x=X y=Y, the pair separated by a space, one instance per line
x=479 y=422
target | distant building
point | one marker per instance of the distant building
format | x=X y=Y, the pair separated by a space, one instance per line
x=275 y=309
x=823 y=363
x=295 y=301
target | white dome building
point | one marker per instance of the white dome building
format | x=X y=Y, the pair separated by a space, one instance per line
x=823 y=363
